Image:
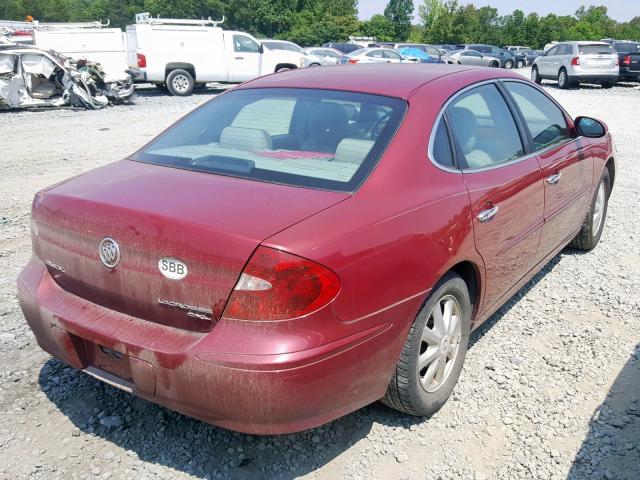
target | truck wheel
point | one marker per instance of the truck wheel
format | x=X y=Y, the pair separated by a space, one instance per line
x=180 y=83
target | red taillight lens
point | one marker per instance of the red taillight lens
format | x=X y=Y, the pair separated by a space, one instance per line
x=353 y=60
x=276 y=285
x=142 y=60
x=575 y=61
x=626 y=60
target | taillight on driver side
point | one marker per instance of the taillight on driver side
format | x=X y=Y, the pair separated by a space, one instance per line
x=575 y=61
x=626 y=60
x=142 y=60
x=276 y=285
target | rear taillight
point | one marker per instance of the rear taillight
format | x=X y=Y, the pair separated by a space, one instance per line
x=276 y=285
x=626 y=60
x=142 y=60
x=353 y=60
x=575 y=61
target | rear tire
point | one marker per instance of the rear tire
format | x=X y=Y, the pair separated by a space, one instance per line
x=180 y=83
x=608 y=85
x=521 y=64
x=434 y=351
x=508 y=64
x=535 y=76
x=593 y=224
x=494 y=65
x=563 y=79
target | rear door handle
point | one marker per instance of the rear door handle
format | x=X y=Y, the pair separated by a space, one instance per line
x=553 y=179
x=488 y=214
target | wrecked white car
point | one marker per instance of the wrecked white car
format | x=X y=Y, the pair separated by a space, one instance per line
x=30 y=77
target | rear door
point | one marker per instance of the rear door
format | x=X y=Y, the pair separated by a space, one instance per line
x=545 y=62
x=504 y=184
x=245 y=57
x=391 y=57
x=566 y=163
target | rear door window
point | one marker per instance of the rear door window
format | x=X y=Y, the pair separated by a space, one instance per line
x=545 y=120
x=484 y=128
x=310 y=138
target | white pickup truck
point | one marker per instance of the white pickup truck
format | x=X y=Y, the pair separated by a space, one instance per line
x=180 y=54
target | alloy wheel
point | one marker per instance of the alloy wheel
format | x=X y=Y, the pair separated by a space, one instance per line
x=598 y=209
x=440 y=343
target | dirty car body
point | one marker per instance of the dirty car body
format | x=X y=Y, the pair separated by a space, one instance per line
x=259 y=265
x=30 y=77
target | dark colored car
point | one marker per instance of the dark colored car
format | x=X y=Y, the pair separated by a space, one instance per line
x=507 y=59
x=628 y=59
x=313 y=241
x=345 y=48
x=530 y=55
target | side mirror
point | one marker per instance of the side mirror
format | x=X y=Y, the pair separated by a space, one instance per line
x=589 y=127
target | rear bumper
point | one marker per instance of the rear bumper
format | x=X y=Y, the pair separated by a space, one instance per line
x=629 y=75
x=254 y=393
x=591 y=76
x=137 y=75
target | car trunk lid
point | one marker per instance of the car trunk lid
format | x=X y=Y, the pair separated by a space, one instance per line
x=211 y=223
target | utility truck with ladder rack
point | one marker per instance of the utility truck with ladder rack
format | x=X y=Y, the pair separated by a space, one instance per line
x=180 y=54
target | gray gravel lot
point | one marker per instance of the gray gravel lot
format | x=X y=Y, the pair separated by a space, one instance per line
x=550 y=390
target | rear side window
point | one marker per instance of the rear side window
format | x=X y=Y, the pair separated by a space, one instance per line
x=595 y=50
x=302 y=137
x=625 y=47
x=442 y=152
x=484 y=128
x=545 y=120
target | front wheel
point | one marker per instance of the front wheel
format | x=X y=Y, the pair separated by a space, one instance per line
x=508 y=64
x=494 y=65
x=593 y=224
x=434 y=351
x=535 y=76
x=521 y=64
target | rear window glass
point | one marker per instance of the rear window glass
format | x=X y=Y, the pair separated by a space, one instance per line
x=627 y=47
x=595 y=50
x=310 y=138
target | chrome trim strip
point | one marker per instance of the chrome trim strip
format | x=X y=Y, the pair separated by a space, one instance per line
x=110 y=379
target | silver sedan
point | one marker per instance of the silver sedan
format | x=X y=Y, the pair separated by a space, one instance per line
x=471 y=57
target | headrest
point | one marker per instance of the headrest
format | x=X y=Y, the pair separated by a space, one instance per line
x=352 y=150
x=247 y=139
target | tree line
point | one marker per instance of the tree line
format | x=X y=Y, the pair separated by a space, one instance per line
x=312 y=22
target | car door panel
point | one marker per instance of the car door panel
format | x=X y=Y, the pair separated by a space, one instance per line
x=510 y=239
x=566 y=163
x=567 y=170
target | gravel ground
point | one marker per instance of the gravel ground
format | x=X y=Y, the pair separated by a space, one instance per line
x=550 y=390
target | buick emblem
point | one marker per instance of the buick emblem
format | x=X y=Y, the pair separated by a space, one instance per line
x=109 y=252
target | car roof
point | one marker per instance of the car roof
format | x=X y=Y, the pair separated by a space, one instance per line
x=392 y=79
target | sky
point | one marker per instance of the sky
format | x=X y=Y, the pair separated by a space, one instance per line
x=621 y=10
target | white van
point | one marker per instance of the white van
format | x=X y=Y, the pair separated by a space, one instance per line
x=179 y=54
x=105 y=46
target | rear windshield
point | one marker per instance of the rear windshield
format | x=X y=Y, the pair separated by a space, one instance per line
x=627 y=47
x=322 y=139
x=595 y=50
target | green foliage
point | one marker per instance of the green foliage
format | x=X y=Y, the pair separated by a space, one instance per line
x=446 y=21
x=379 y=27
x=311 y=22
x=399 y=14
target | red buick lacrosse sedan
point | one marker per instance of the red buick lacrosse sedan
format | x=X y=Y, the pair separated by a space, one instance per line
x=313 y=241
